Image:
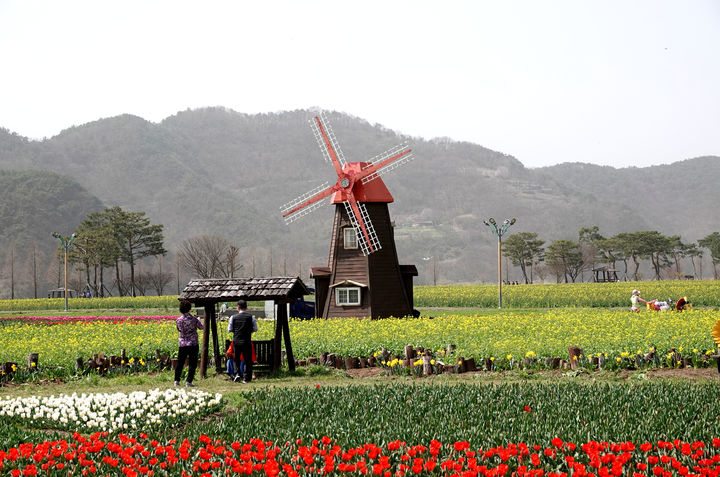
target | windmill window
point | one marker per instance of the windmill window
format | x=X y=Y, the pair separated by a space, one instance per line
x=350 y=238
x=347 y=296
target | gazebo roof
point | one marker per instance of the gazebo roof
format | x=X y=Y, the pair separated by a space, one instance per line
x=213 y=290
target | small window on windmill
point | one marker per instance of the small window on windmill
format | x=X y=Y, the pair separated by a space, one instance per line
x=350 y=237
x=347 y=296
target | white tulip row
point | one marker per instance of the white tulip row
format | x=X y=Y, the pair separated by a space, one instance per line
x=112 y=412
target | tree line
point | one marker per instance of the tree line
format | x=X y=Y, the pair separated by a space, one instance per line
x=107 y=238
x=567 y=259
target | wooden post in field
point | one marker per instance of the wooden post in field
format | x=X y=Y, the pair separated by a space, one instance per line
x=210 y=309
x=205 y=343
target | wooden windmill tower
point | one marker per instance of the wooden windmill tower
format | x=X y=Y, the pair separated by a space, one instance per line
x=363 y=276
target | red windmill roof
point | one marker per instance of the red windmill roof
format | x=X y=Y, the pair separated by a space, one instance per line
x=373 y=191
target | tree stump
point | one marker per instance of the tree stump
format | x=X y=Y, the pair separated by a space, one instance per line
x=32 y=361
x=8 y=367
x=575 y=352
x=676 y=358
x=409 y=352
x=372 y=361
x=363 y=362
x=339 y=362
x=489 y=364
x=461 y=364
x=470 y=365
x=329 y=360
x=312 y=360
x=302 y=362
x=79 y=364
x=450 y=349
x=552 y=362
x=427 y=366
x=323 y=358
x=351 y=363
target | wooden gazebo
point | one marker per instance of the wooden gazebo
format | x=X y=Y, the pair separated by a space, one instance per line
x=207 y=292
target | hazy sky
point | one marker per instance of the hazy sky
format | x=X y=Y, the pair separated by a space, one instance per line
x=609 y=82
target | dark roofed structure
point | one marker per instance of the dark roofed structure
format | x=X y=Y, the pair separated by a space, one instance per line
x=213 y=290
x=207 y=292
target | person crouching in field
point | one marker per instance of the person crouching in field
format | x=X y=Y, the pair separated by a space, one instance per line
x=230 y=365
x=634 y=299
x=187 y=325
x=683 y=304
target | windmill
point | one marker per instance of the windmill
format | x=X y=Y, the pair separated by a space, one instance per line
x=363 y=276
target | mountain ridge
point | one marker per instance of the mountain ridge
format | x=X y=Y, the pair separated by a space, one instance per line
x=217 y=171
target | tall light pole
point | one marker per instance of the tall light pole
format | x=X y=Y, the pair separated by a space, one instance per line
x=65 y=243
x=434 y=267
x=499 y=231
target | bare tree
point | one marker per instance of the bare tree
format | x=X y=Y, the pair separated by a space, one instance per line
x=159 y=278
x=209 y=257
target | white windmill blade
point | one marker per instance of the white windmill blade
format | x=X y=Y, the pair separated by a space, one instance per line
x=394 y=151
x=325 y=124
x=365 y=247
x=302 y=212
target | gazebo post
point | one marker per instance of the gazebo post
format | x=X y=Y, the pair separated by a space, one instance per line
x=205 y=343
x=216 y=347
x=286 y=335
x=281 y=311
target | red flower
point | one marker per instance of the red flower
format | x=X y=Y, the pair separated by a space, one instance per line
x=527 y=409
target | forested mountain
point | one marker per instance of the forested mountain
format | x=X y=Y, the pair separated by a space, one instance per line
x=33 y=205
x=216 y=171
x=679 y=198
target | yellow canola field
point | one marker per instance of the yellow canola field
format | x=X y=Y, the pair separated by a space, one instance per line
x=61 y=344
x=168 y=302
x=699 y=293
x=542 y=333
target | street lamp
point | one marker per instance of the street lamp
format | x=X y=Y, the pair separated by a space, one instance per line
x=499 y=231
x=65 y=243
x=434 y=267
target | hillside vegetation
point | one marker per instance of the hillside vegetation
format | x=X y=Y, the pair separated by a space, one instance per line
x=216 y=171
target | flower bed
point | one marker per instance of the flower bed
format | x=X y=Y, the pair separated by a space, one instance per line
x=47 y=320
x=206 y=456
x=609 y=339
x=110 y=412
x=700 y=293
x=168 y=302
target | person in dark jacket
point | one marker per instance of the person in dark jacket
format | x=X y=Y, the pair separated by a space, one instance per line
x=242 y=325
